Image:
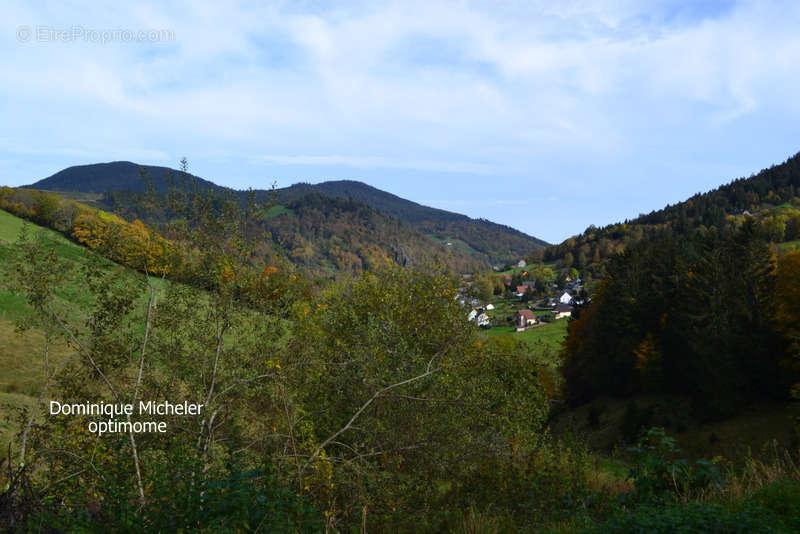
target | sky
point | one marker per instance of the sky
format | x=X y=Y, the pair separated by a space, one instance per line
x=545 y=116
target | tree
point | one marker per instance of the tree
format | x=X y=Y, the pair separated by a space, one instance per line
x=403 y=396
x=787 y=310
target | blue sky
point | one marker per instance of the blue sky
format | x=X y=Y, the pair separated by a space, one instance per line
x=546 y=116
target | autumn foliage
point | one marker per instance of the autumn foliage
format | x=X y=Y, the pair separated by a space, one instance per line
x=129 y=243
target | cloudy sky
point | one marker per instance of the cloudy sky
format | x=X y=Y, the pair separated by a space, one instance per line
x=546 y=116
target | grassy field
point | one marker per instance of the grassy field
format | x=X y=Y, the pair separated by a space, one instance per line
x=455 y=244
x=550 y=335
x=22 y=368
x=530 y=267
x=515 y=270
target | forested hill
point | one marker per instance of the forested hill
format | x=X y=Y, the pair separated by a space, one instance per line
x=498 y=242
x=770 y=197
x=479 y=239
x=381 y=200
x=119 y=176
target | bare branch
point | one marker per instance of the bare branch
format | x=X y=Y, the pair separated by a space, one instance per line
x=429 y=371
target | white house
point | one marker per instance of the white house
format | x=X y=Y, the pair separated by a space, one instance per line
x=565 y=298
x=483 y=320
x=472 y=315
x=490 y=306
x=521 y=263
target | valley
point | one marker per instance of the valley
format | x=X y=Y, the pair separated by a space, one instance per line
x=537 y=334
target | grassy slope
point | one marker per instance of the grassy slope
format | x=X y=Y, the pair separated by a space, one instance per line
x=10 y=227
x=90 y=199
x=455 y=244
x=21 y=355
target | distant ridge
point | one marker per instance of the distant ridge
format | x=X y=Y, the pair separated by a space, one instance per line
x=486 y=240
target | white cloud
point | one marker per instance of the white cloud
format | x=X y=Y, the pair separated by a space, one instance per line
x=548 y=91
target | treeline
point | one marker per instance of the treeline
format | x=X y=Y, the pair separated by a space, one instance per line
x=711 y=314
x=771 y=196
x=132 y=244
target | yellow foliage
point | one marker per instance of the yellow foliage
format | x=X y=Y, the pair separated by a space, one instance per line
x=90 y=230
x=227 y=273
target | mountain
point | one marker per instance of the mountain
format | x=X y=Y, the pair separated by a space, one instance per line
x=770 y=197
x=117 y=176
x=499 y=243
x=480 y=239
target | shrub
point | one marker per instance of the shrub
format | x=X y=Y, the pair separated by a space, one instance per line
x=659 y=476
x=783 y=499
x=694 y=518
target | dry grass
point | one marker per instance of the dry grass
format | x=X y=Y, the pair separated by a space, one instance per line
x=22 y=374
x=774 y=463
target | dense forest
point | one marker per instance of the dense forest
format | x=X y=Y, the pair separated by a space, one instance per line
x=697 y=299
x=771 y=197
x=123 y=183
x=710 y=315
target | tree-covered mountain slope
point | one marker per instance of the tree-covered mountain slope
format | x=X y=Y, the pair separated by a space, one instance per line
x=482 y=240
x=499 y=242
x=119 y=176
x=770 y=197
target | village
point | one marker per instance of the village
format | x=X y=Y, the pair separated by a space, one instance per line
x=527 y=301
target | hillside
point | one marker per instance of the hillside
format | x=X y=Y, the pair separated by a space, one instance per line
x=482 y=240
x=769 y=197
x=498 y=242
x=20 y=359
x=318 y=234
x=697 y=300
x=119 y=176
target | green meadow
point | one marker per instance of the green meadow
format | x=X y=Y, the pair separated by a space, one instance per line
x=549 y=335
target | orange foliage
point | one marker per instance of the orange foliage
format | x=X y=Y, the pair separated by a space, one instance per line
x=268 y=271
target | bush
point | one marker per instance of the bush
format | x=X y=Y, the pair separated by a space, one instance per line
x=694 y=518
x=235 y=501
x=783 y=499
x=659 y=476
